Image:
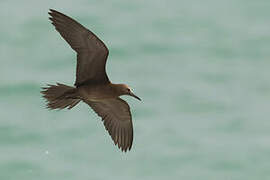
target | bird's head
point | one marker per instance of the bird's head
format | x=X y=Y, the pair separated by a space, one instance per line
x=124 y=89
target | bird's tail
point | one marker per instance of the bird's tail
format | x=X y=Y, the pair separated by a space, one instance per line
x=60 y=96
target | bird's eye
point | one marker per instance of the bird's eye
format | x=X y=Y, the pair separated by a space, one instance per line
x=128 y=90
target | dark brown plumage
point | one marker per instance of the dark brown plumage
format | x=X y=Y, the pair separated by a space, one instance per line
x=92 y=84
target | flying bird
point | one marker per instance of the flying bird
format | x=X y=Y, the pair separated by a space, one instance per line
x=92 y=85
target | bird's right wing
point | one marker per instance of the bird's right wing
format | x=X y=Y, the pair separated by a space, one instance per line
x=116 y=116
x=92 y=53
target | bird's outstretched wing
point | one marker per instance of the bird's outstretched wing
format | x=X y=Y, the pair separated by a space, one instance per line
x=92 y=53
x=116 y=116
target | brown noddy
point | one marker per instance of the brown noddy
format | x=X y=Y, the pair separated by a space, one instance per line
x=92 y=84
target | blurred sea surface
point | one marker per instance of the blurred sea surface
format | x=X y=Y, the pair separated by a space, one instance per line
x=201 y=68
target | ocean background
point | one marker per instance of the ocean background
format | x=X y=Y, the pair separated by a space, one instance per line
x=202 y=69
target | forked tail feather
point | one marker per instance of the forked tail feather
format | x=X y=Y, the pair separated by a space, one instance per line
x=60 y=96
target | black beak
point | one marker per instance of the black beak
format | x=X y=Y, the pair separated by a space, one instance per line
x=133 y=95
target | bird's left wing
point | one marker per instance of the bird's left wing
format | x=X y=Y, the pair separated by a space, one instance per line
x=116 y=116
x=92 y=53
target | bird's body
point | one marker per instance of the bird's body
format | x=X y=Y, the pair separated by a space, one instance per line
x=98 y=92
x=92 y=84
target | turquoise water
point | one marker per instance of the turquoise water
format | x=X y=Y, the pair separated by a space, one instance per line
x=201 y=68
